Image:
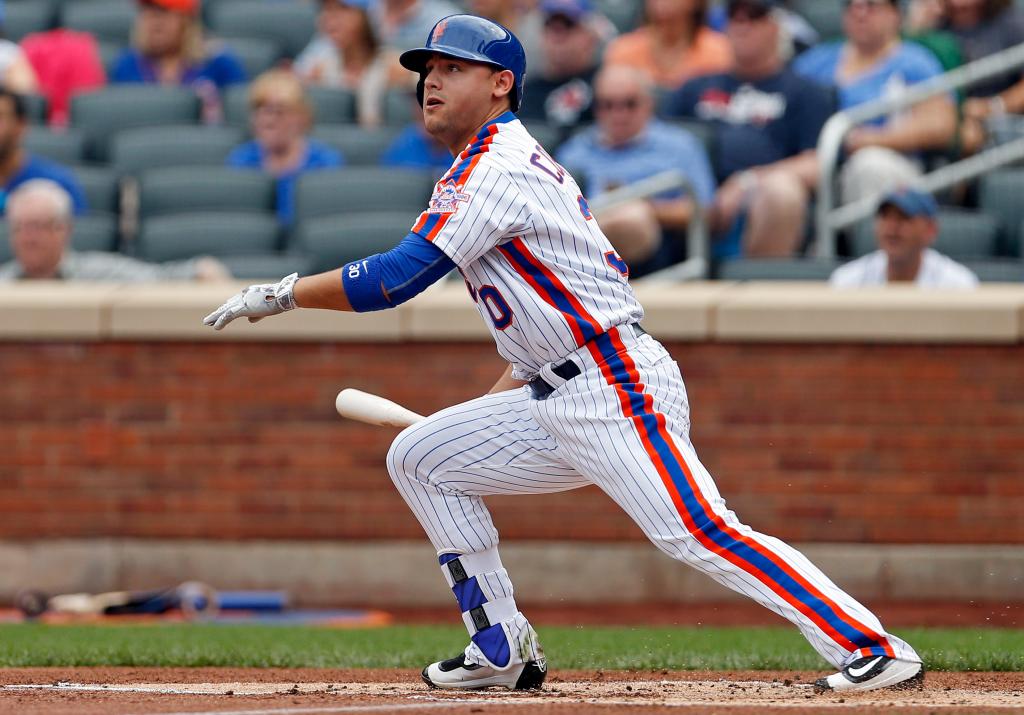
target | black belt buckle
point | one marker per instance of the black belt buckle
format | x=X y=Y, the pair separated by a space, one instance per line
x=541 y=388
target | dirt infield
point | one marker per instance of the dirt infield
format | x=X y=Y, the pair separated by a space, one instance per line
x=134 y=691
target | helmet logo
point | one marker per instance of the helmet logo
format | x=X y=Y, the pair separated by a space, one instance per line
x=439 y=30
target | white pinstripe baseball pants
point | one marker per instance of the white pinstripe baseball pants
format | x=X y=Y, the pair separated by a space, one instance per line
x=623 y=425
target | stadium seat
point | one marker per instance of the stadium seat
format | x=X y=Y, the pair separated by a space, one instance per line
x=65 y=147
x=101 y=187
x=1000 y=194
x=103 y=113
x=268 y=266
x=399 y=107
x=330 y=106
x=134 y=150
x=36 y=108
x=360 y=147
x=95 y=232
x=107 y=20
x=109 y=53
x=405 y=193
x=624 y=14
x=217 y=233
x=1006 y=270
x=25 y=17
x=290 y=24
x=776 y=269
x=825 y=17
x=257 y=55
x=181 y=189
x=334 y=240
x=962 y=234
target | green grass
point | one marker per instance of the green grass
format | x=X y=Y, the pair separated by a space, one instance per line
x=412 y=646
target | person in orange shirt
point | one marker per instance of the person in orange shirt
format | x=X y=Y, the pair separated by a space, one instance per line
x=673 y=45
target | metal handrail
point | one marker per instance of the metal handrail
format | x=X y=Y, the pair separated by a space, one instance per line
x=830 y=218
x=695 y=266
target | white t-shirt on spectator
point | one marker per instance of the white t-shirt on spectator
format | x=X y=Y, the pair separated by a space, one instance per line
x=937 y=271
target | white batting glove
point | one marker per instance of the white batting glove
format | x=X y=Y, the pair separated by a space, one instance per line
x=256 y=302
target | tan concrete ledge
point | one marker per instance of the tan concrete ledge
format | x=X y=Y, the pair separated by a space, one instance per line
x=398 y=573
x=812 y=312
x=726 y=312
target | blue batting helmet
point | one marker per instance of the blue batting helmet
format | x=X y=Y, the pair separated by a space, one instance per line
x=468 y=37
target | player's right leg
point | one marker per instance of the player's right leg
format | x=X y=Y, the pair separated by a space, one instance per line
x=442 y=466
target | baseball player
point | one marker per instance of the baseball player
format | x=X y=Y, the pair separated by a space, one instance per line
x=588 y=396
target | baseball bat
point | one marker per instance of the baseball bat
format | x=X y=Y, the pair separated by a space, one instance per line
x=373 y=409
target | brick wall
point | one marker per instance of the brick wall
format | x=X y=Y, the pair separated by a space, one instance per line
x=853 y=443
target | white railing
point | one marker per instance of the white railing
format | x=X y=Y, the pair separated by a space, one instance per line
x=830 y=218
x=695 y=267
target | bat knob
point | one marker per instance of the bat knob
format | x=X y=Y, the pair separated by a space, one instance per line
x=31 y=602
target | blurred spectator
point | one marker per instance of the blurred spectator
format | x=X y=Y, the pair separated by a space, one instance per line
x=281 y=116
x=562 y=90
x=17 y=166
x=65 y=62
x=874 y=63
x=404 y=24
x=414 y=148
x=521 y=18
x=922 y=24
x=16 y=73
x=40 y=227
x=767 y=120
x=905 y=227
x=628 y=145
x=346 y=54
x=983 y=27
x=169 y=48
x=673 y=45
x=797 y=34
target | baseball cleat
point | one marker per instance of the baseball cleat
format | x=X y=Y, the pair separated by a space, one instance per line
x=459 y=674
x=872 y=673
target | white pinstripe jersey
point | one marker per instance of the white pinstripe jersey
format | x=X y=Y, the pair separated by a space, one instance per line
x=543 y=275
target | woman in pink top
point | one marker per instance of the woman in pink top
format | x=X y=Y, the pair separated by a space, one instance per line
x=673 y=45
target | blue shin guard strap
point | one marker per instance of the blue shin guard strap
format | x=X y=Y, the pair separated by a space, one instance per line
x=468 y=594
x=493 y=643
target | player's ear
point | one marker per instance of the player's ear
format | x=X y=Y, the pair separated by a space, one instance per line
x=504 y=81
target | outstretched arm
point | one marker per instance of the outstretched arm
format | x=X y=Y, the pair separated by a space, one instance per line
x=381 y=281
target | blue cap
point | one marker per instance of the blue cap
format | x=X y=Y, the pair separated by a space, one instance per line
x=912 y=202
x=575 y=10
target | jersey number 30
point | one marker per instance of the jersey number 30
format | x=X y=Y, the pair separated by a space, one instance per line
x=497 y=307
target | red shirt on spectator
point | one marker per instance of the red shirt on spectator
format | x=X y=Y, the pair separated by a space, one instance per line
x=65 y=62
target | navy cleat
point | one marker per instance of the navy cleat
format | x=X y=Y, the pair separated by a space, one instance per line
x=872 y=673
x=459 y=674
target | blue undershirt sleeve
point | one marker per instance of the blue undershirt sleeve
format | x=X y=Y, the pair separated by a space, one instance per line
x=388 y=279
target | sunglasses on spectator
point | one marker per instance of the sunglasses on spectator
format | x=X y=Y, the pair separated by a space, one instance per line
x=748 y=12
x=560 y=22
x=629 y=104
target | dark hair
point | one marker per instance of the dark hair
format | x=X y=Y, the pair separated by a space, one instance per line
x=994 y=8
x=20 y=107
x=697 y=19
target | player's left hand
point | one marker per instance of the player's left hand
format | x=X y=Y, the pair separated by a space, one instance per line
x=256 y=302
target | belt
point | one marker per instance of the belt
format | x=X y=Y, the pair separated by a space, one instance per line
x=541 y=388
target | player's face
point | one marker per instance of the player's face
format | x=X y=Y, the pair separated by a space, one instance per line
x=38 y=239
x=903 y=237
x=457 y=98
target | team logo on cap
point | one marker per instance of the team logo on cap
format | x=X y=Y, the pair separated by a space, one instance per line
x=446 y=199
x=438 y=30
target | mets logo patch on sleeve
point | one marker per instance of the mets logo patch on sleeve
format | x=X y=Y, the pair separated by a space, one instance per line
x=446 y=199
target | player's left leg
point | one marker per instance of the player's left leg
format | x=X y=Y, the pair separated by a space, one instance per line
x=442 y=466
x=633 y=443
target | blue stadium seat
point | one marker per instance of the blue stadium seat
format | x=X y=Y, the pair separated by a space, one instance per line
x=219 y=233
x=1001 y=194
x=267 y=266
x=181 y=189
x=334 y=240
x=290 y=24
x=776 y=269
x=27 y=16
x=257 y=55
x=1005 y=270
x=101 y=188
x=360 y=147
x=102 y=113
x=404 y=193
x=107 y=20
x=64 y=147
x=134 y=150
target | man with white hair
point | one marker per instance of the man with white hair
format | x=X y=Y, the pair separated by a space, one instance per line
x=40 y=224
